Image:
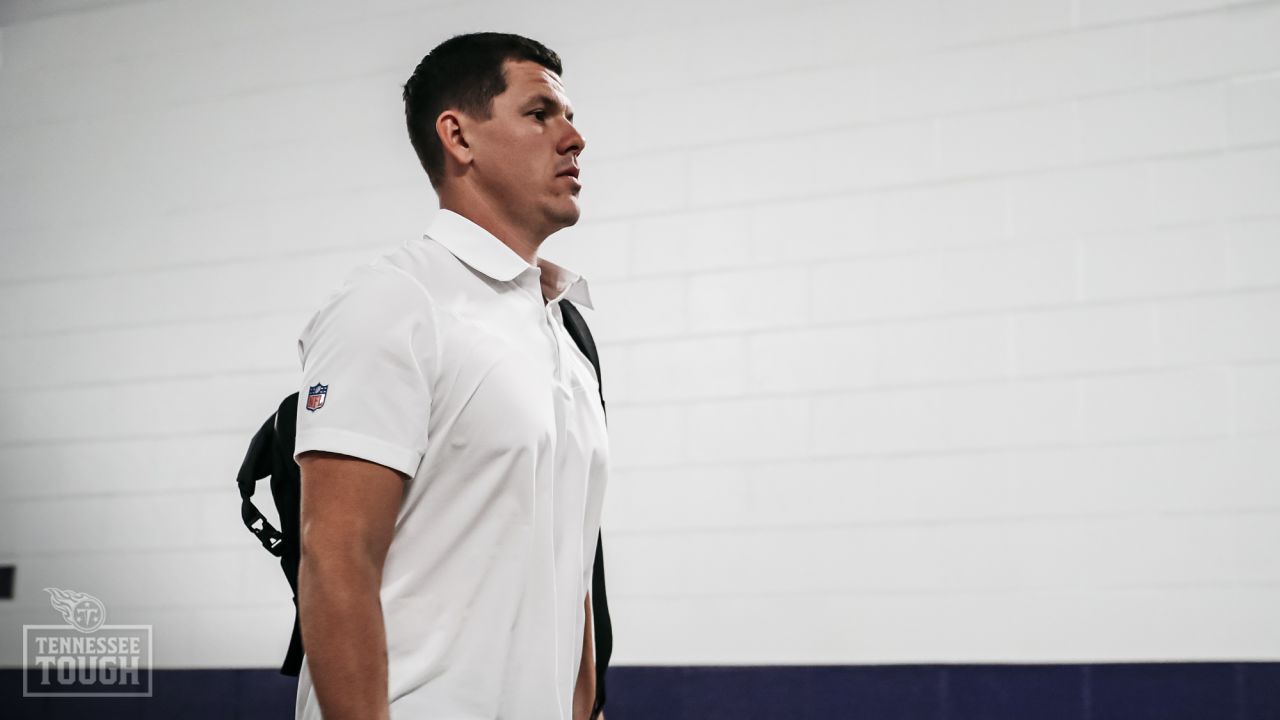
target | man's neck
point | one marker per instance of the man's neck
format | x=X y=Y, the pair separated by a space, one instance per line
x=522 y=241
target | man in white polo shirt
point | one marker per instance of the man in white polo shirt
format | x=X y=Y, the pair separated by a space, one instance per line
x=451 y=439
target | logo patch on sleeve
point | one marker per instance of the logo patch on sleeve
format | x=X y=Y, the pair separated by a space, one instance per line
x=315 y=396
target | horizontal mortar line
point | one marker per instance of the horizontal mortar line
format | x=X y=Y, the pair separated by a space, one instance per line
x=228 y=491
x=1026 y=241
x=73 y=11
x=62 y=443
x=12 y=607
x=159 y=324
x=254 y=204
x=818 y=130
x=747 y=267
x=893 y=388
x=943 y=50
x=1073 y=164
x=195 y=264
x=224 y=486
x=1012 y=245
x=605 y=341
x=160 y=491
x=279 y=36
x=930 y=182
x=622 y=534
x=1010 y=517
x=249 y=548
x=1160 y=301
x=302 y=313
x=138 y=615
x=306 y=84
x=199 y=101
x=944 y=453
x=969 y=177
x=135 y=382
x=1167 y=16
x=693 y=464
x=710 y=334
x=186 y=211
x=133 y=437
x=647 y=151
x=1252 y=77
x=1163 y=368
x=720 y=464
x=1051 y=170
x=237 y=42
x=622 y=596
x=701 y=463
x=240 y=260
x=1005 y=520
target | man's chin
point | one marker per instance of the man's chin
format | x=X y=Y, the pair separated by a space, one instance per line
x=567 y=213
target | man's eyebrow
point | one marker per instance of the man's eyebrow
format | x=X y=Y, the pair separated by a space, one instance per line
x=544 y=99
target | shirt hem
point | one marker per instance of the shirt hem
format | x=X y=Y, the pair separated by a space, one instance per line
x=344 y=442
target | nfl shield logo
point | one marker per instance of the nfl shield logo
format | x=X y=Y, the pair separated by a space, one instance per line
x=315 y=397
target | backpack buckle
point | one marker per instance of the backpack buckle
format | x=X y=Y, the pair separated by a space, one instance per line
x=270 y=538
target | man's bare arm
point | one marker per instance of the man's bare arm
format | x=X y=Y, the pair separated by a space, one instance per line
x=347 y=520
x=584 y=692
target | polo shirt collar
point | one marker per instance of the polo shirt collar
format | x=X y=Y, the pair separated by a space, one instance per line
x=484 y=252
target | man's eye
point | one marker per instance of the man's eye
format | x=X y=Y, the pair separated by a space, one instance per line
x=541 y=114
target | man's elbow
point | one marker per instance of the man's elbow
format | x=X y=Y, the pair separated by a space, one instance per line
x=347 y=515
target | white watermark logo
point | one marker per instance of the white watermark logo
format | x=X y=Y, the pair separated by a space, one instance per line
x=85 y=612
x=85 y=657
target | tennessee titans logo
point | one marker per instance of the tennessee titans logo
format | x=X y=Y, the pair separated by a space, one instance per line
x=315 y=397
x=82 y=610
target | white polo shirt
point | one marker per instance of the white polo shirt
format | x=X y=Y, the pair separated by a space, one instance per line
x=441 y=360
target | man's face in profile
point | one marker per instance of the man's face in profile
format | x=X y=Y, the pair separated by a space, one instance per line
x=522 y=152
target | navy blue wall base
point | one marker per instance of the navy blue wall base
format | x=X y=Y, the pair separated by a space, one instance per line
x=1172 y=691
x=176 y=695
x=1167 y=691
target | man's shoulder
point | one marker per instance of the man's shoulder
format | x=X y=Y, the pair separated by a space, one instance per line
x=391 y=277
x=382 y=291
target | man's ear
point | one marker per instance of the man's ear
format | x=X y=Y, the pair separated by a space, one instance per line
x=452 y=127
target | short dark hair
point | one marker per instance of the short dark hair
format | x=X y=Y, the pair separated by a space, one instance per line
x=464 y=72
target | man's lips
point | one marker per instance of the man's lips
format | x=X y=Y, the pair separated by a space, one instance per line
x=572 y=174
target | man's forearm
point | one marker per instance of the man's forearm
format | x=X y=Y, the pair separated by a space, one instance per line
x=584 y=691
x=344 y=637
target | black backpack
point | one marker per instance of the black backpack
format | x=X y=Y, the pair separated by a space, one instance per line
x=271 y=453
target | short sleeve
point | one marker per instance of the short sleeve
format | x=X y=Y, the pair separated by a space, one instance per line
x=366 y=359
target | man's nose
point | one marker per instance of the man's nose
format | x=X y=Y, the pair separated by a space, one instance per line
x=573 y=139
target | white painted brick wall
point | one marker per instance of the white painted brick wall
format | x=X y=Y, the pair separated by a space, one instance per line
x=933 y=330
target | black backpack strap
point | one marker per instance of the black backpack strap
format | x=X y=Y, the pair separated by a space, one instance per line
x=269 y=451
x=286 y=484
x=286 y=488
x=602 y=627
x=581 y=334
x=292 y=665
x=258 y=462
x=602 y=630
